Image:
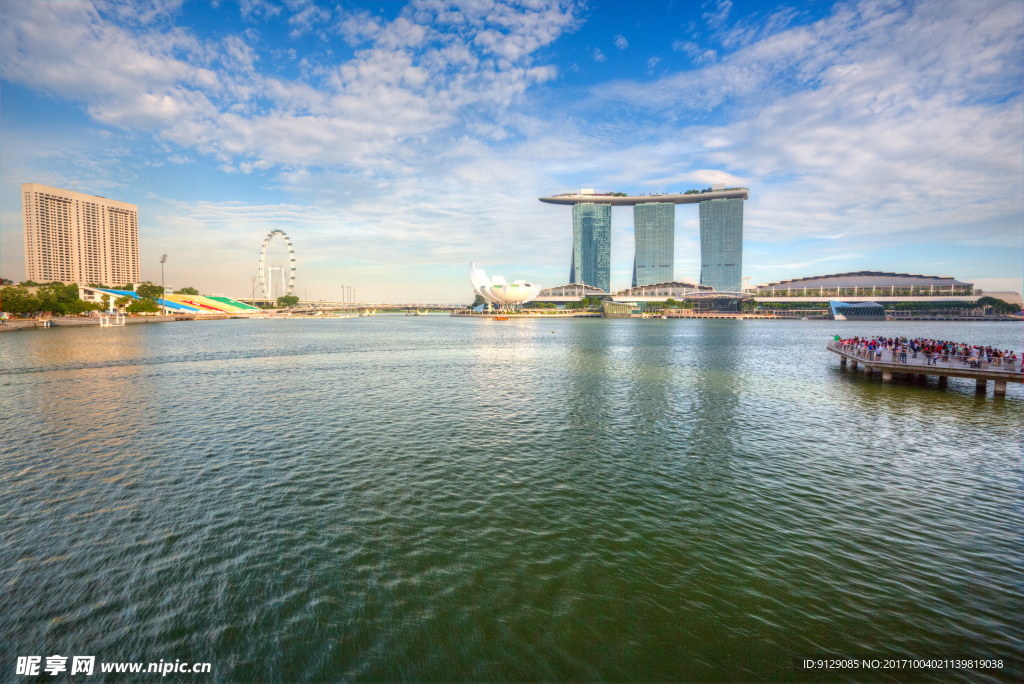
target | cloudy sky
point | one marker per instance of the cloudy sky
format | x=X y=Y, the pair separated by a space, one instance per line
x=396 y=142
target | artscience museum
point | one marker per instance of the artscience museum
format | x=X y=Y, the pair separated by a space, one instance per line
x=497 y=291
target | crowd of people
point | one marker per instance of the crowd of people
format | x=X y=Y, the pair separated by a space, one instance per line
x=900 y=349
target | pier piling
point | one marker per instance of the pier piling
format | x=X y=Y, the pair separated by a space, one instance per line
x=998 y=370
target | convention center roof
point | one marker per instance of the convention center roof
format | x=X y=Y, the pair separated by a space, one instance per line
x=869 y=279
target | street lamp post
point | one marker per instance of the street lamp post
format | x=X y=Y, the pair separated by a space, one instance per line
x=254 y=279
x=163 y=260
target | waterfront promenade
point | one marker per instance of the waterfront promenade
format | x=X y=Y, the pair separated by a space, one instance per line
x=889 y=361
x=80 y=321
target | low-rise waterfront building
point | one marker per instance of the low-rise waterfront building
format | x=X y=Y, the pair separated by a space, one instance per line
x=571 y=292
x=867 y=285
x=659 y=292
x=610 y=309
x=860 y=311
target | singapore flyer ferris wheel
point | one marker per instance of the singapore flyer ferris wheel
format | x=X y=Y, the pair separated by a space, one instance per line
x=277 y=257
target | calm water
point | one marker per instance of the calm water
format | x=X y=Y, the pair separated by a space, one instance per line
x=429 y=499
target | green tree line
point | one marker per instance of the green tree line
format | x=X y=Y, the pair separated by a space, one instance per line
x=54 y=298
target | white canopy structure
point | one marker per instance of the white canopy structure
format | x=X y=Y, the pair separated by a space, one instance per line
x=498 y=291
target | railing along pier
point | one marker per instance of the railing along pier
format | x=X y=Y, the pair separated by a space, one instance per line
x=999 y=371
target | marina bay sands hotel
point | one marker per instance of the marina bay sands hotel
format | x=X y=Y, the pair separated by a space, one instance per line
x=654 y=221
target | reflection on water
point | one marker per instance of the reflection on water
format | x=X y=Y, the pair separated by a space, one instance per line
x=437 y=499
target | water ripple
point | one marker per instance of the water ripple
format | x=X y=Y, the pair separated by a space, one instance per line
x=433 y=499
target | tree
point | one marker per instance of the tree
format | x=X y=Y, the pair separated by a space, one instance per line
x=143 y=306
x=17 y=300
x=106 y=301
x=477 y=301
x=6 y=281
x=671 y=303
x=998 y=305
x=287 y=300
x=55 y=298
x=123 y=301
x=688 y=304
x=150 y=291
x=187 y=291
x=58 y=298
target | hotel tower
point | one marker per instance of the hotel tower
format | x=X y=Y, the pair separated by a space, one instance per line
x=78 y=238
x=654 y=227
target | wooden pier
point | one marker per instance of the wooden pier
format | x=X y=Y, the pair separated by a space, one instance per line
x=951 y=366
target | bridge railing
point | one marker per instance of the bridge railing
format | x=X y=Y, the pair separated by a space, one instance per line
x=922 y=360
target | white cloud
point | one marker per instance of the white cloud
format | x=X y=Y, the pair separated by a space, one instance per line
x=696 y=55
x=878 y=118
x=621 y=42
x=720 y=16
x=358 y=27
x=878 y=125
x=307 y=16
x=253 y=9
x=412 y=82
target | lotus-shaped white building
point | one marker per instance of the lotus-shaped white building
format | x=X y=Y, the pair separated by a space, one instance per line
x=496 y=290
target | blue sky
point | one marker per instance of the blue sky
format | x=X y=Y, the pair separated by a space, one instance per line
x=396 y=142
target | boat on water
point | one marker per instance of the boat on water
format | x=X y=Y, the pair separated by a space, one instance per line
x=501 y=318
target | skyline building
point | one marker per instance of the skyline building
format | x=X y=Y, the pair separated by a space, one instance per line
x=77 y=238
x=591 y=245
x=721 y=244
x=654 y=231
x=721 y=230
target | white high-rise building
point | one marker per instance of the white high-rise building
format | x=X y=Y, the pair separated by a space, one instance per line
x=79 y=238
